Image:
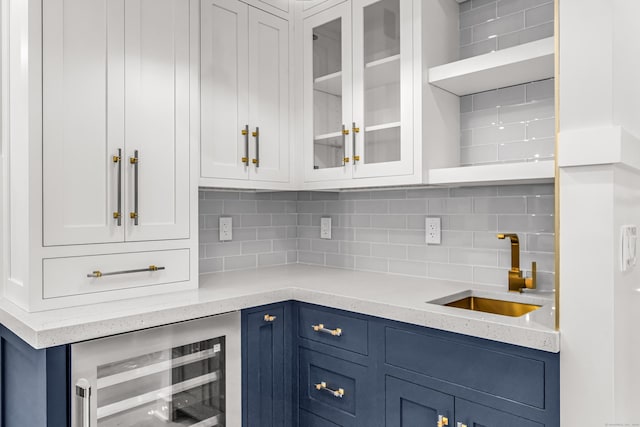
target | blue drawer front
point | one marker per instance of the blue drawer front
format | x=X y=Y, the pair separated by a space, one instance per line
x=316 y=368
x=474 y=415
x=501 y=374
x=307 y=419
x=354 y=330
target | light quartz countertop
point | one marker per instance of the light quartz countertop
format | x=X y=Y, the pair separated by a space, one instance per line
x=400 y=298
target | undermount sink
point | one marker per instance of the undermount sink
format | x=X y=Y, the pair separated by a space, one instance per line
x=494 y=306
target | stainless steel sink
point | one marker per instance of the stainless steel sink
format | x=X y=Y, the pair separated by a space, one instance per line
x=494 y=306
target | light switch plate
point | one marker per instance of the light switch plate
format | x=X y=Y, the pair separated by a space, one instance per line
x=226 y=228
x=433 y=232
x=325 y=228
x=629 y=241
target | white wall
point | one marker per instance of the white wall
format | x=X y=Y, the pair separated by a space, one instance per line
x=599 y=192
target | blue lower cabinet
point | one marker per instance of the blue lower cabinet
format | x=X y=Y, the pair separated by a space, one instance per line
x=471 y=414
x=411 y=405
x=267 y=366
x=34 y=390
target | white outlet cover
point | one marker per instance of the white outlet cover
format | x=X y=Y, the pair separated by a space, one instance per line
x=629 y=242
x=325 y=228
x=433 y=232
x=226 y=228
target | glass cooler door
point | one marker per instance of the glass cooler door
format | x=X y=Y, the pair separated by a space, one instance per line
x=185 y=374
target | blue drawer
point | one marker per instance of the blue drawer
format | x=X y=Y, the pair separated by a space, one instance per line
x=353 y=331
x=497 y=373
x=317 y=368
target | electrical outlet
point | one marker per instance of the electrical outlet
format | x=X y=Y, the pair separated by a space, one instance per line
x=433 y=233
x=226 y=228
x=325 y=228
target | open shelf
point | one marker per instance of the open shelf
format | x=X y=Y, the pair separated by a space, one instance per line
x=502 y=173
x=382 y=72
x=382 y=126
x=516 y=65
x=331 y=84
x=327 y=136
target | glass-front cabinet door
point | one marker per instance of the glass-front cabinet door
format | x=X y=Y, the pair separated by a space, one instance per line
x=382 y=88
x=328 y=94
x=186 y=374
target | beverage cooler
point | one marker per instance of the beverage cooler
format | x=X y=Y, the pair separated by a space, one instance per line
x=183 y=374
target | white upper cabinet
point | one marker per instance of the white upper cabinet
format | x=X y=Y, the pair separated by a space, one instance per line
x=244 y=96
x=115 y=121
x=368 y=119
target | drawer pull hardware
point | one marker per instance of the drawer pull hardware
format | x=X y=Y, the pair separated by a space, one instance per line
x=269 y=318
x=83 y=393
x=442 y=421
x=337 y=332
x=356 y=130
x=245 y=133
x=256 y=135
x=97 y=274
x=339 y=393
x=461 y=424
x=135 y=161
x=118 y=214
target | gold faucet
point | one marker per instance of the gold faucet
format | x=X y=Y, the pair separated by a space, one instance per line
x=516 y=282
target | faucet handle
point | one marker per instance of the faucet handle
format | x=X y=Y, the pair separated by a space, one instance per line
x=530 y=282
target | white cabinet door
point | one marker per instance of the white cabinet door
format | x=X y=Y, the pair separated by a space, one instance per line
x=382 y=90
x=268 y=96
x=224 y=149
x=327 y=94
x=157 y=119
x=82 y=120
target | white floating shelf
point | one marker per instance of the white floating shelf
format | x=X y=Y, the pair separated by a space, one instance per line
x=327 y=136
x=507 y=67
x=331 y=84
x=503 y=173
x=382 y=72
x=382 y=126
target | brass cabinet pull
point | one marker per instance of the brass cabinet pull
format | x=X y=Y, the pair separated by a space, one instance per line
x=339 y=393
x=442 y=421
x=245 y=132
x=459 y=424
x=353 y=141
x=345 y=132
x=256 y=135
x=337 y=332
x=269 y=318
x=117 y=215
x=135 y=160
x=97 y=274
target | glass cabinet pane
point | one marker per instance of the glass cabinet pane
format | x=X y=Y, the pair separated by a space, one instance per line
x=181 y=386
x=382 y=95
x=327 y=95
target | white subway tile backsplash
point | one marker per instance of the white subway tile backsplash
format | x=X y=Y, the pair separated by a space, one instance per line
x=499 y=26
x=479 y=48
x=478 y=15
x=457 y=239
x=476 y=222
x=507 y=7
x=329 y=246
x=355 y=248
x=466 y=104
x=316 y=258
x=541 y=205
x=242 y=262
x=480 y=118
x=466 y=36
x=372 y=207
x=473 y=256
x=239 y=207
x=451 y=205
x=460 y=273
x=538 y=129
x=489 y=276
x=542 y=89
x=497 y=205
x=525 y=36
x=380 y=265
x=257 y=220
x=408 y=206
x=210 y=265
x=538 y=149
x=541 y=242
x=274 y=258
x=372 y=235
x=256 y=247
x=341 y=261
x=389 y=251
x=526 y=190
x=428 y=253
x=271 y=233
x=222 y=249
x=526 y=223
x=539 y=15
x=406 y=237
x=408 y=268
x=498 y=133
x=525 y=113
x=479 y=154
x=479 y=3
x=388 y=221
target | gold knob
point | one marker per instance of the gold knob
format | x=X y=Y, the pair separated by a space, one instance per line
x=116 y=159
x=254 y=161
x=97 y=273
x=133 y=215
x=318 y=327
x=356 y=130
x=133 y=160
x=244 y=132
x=346 y=160
x=254 y=134
x=269 y=318
x=116 y=215
x=153 y=268
x=356 y=158
x=345 y=131
x=442 y=421
x=245 y=160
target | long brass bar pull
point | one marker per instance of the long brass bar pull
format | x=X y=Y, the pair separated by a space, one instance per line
x=98 y=274
x=320 y=328
x=245 y=132
x=442 y=421
x=355 y=130
x=117 y=215
x=339 y=393
x=135 y=161
x=83 y=393
x=256 y=135
x=345 y=132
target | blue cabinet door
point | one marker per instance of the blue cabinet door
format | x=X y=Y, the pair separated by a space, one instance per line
x=411 y=405
x=473 y=415
x=267 y=363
